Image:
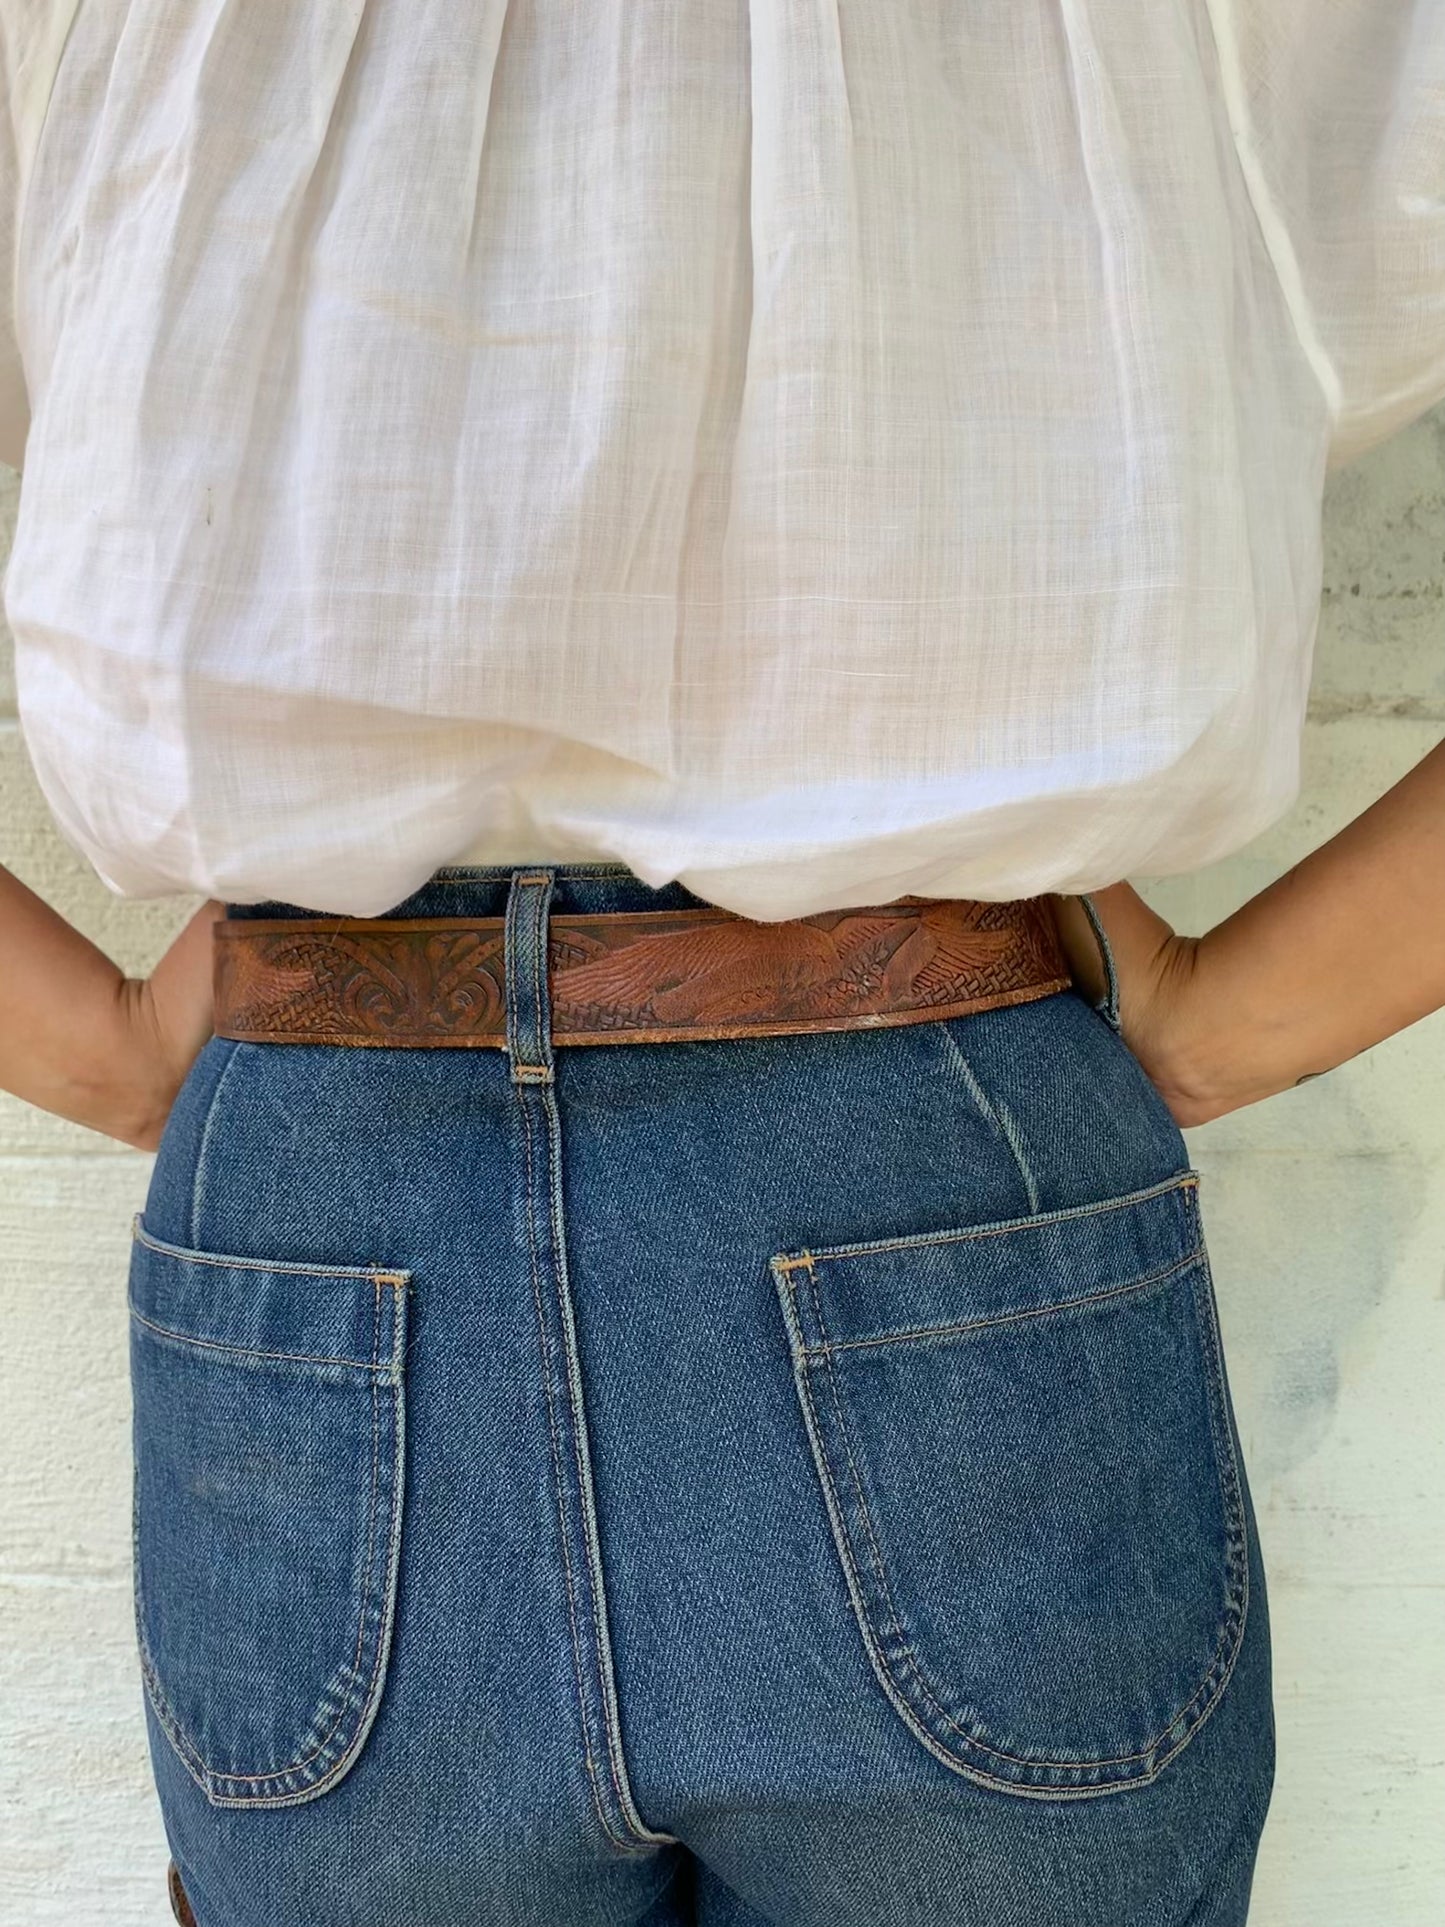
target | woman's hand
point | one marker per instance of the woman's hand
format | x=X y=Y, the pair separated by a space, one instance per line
x=1164 y=1003
x=167 y=1017
x=80 y=1039
x=1340 y=952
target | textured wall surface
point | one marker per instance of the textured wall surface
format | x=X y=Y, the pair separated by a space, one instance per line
x=1325 y=1212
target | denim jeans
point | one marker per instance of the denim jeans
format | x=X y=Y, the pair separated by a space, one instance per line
x=784 y=1480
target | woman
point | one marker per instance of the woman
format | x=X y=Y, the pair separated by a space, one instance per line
x=655 y=565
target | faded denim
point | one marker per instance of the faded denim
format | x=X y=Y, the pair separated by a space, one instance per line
x=784 y=1480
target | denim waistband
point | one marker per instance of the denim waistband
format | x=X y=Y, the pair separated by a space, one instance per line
x=481 y=889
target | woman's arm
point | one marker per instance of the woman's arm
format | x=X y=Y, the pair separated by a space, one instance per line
x=1342 y=951
x=79 y=1038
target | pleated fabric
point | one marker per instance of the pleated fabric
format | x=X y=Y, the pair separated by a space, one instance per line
x=814 y=450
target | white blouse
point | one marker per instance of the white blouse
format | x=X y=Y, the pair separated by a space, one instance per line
x=816 y=450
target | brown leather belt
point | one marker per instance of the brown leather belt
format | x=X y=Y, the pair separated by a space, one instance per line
x=180 y=1904
x=632 y=977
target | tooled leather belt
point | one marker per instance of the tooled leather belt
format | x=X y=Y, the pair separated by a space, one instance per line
x=632 y=977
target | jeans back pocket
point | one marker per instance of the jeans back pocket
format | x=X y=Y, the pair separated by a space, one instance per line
x=1025 y=1444
x=268 y=1478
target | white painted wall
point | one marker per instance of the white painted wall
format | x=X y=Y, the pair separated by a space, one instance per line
x=1325 y=1212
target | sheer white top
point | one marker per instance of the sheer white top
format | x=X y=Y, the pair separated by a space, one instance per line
x=816 y=450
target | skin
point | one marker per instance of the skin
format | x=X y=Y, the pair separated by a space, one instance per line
x=1340 y=952
x=81 y=1039
x=1344 y=950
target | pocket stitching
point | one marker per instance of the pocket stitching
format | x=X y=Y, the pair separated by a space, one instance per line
x=1236 y=1600
x=373 y=1508
x=360 y=1695
x=1186 y=1182
x=909 y=1651
x=286 y=1269
x=186 y=1339
x=1055 y=1307
x=209 y=1777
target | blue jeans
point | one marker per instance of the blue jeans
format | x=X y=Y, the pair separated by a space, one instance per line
x=786 y=1480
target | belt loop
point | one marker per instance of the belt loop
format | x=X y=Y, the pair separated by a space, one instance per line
x=529 y=1004
x=1108 y=1004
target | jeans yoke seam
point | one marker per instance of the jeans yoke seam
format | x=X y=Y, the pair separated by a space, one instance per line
x=996 y=1116
x=198 y=1177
